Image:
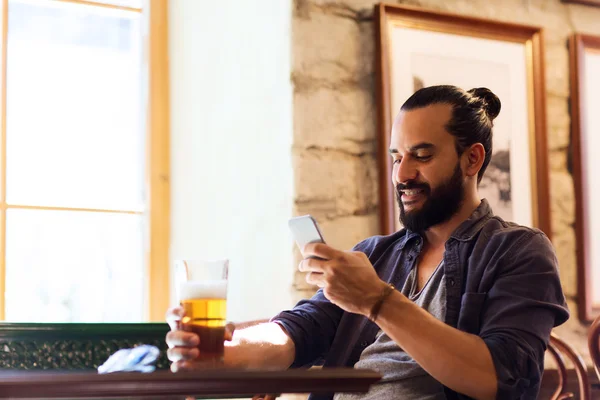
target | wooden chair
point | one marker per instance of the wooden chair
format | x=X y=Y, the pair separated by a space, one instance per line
x=559 y=349
x=594 y=344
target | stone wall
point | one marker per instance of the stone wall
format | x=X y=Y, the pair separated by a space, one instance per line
x=335 y=118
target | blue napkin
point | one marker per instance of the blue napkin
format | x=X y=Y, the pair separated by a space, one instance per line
x=138 y=359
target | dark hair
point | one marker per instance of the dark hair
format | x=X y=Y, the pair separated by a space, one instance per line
x=472 y=118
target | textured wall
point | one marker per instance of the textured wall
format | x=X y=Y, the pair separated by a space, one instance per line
x=333 y=49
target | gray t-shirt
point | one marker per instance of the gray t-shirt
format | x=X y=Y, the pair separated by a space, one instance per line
x=403 y=378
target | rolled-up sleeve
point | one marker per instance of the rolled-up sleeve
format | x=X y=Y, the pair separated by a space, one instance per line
x=525 y=302
x=311 y=325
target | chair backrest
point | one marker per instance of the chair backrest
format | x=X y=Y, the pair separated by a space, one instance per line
x=559 y=349
x=594 y=344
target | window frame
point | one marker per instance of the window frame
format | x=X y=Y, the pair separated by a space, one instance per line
x=157 y=212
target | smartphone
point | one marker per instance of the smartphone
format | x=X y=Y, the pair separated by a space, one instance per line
x=305 y=230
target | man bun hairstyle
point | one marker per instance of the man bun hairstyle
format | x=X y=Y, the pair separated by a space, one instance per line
x=473 y=113
x=491 y=102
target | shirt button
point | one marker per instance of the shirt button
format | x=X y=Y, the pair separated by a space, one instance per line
x=364 y=344
x=451 y=281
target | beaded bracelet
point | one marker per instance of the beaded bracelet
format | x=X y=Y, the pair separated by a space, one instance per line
x=384 y=295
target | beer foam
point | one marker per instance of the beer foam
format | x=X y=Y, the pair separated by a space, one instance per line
x=203 y=290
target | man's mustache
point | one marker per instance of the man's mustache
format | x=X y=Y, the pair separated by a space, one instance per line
x=412 y=186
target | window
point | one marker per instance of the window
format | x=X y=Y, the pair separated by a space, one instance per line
x=83 y=176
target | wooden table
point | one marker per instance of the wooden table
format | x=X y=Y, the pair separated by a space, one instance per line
x=164 y=384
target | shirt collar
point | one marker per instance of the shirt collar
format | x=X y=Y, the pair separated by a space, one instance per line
x=406 y=237
x=472 y=225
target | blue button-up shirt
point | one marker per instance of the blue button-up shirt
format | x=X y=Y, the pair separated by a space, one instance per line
x=502 y=284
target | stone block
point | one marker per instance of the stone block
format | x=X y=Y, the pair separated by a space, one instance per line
x=563 y=240
x=585 y=19
x=368 y=53
x=562 y=200
x=327 y=48
x=357 y=6
x=557 y=160
x=478 y=8
x=555 y=23
x=302 y=294
x=329 y=118
x=559 y=122
x=345 y=232
x=302 y=9
x=559 y=137
x=301 y=284
x=557 y=70
x=335 y=182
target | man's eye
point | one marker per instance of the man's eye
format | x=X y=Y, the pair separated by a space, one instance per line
x=397 y=160
x=422 y=158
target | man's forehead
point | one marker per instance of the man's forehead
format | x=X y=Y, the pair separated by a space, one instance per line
x=422 y=124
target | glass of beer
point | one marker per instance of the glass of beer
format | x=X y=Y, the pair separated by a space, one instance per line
x=202 y=287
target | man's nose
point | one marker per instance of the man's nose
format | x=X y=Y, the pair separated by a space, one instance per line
x=405 y=171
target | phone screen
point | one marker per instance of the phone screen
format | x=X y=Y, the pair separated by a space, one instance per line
x=305 y=230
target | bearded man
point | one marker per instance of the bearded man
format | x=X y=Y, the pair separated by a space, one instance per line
x=458 y=304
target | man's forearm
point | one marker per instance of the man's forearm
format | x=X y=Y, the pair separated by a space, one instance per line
x=263 y=346
x=458 y=360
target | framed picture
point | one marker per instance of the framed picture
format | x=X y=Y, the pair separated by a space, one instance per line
x=418 y=48
x=585 y=125
x=595 y=3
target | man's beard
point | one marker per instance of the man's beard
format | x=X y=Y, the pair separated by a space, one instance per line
x=439 y=206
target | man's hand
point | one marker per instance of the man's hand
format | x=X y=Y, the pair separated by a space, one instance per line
x=347 y=278
x=183 y=346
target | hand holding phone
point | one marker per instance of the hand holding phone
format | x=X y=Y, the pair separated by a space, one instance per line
x=305 y=230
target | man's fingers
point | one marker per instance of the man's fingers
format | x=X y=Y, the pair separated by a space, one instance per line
x=312 y=265
x=182 y=338
x=321 y=250
x=177 y=354
x=179 y=366
x=264 y=397
x=174 y=316
x=314 y=278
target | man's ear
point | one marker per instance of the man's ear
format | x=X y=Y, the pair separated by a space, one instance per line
x=474 y=157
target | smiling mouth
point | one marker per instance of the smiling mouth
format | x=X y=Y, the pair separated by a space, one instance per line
x=412 y=192
x=411 y=195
